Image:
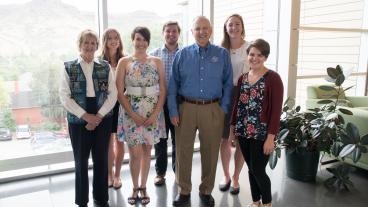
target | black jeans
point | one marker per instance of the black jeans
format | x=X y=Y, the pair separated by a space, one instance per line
x=161 y=147
x=260 y=184
x=83 y=143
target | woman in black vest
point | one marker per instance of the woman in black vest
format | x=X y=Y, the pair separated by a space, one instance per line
x=88 y=93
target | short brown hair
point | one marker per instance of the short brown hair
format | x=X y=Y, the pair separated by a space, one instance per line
x=171 y=23
x=144 y=31
x=87 y=33
x=262 y=45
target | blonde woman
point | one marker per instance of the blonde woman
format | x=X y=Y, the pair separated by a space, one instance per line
x=88 y=93
x=112 y=51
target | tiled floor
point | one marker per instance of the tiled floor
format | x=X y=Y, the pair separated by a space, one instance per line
x=58 y=190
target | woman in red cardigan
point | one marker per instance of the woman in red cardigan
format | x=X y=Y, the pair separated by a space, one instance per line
x=256 y=118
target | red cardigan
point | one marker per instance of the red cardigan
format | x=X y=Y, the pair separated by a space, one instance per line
x=272 y=104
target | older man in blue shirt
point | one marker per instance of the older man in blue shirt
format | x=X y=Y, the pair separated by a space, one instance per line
x=199 y=96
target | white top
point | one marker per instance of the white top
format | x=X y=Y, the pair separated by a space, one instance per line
x=113 y=69
x=72 y=106
x=239 y=61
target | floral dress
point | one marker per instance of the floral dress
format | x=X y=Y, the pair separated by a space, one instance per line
x=248 y=123
x=141 y=74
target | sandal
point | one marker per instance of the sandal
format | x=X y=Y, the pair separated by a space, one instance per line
x=117 y=183
x=159 y=180
x=133 y=199
x=255 y=204
x=145 y=199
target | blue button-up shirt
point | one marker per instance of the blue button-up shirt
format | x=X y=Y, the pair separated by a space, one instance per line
x=201 y=73
x=167 y=58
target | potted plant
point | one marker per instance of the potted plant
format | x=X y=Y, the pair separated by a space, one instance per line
x=306 y=134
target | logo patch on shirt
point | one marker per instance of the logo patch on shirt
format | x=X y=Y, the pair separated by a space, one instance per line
x=214 y=59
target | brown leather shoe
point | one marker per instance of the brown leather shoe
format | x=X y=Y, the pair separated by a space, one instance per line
x=181 y=199
x=159 y=180
x=207 y=199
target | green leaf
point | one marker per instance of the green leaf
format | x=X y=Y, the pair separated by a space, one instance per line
x=315 y=133
x=356 y=154
x=364 y=140
x=326 y=88
x=348 y=88
x=341 y=119
x=297 y=109
x=283 y=134
x=294 y=122
x=272 y=160
x=330 y=181
x=304 y=143
x=347 y=150
x=332 y=72
x=353 y=132
x=363 y=149
x=339 y=70
x=348 y=184
x=345 y=111
x=325 y=101
x=340 y=80
x=331 y=170
x=346 y=139
x=278 y=152
x=335 y=150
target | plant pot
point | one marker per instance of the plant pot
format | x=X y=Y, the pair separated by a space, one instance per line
x=302 y=165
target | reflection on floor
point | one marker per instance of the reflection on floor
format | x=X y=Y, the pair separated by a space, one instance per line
x=58 y=190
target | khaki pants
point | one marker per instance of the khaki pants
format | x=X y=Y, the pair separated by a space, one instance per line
x=209 y=121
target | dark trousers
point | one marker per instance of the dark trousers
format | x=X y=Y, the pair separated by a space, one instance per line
x=161 y=147
x=260 y=184
x=97 y=142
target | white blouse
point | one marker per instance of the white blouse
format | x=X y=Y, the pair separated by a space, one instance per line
x=239 y=61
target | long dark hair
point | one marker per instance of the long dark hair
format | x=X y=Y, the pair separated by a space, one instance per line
x=226 y=39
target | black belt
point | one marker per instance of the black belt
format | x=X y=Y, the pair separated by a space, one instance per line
x=199 y=101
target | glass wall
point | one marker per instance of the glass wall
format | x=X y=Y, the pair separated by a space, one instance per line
x=125 y=16
x=33 y=50
x=250 y=10
x=35 y=41
x=331 y=33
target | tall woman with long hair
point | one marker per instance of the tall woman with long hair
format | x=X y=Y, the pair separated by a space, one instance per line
x=112 y=51
x=234 y=41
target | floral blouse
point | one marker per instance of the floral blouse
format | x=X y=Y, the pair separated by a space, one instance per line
x=249 y=107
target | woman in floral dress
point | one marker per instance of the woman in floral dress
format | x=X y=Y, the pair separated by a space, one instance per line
x=256 y=119
x=141 y=121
